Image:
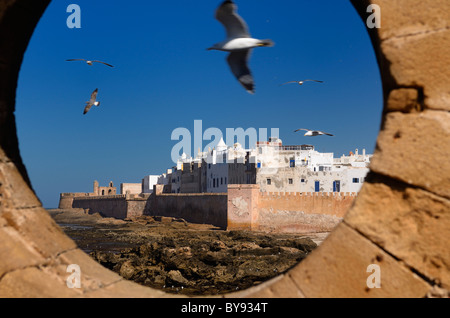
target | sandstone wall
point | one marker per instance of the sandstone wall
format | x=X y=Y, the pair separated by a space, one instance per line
x=207 y=208
x=302 y=212
x=204 y=208
x=109 y=206
x=250 y=209
x=65 y=202
x=66 y=199
x=137 y=206
x=242 y=206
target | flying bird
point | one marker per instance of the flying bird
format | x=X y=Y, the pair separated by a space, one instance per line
x=313 y=133
x=238 y=42
x=302 y=82
x=89 y=62
x=92 y=101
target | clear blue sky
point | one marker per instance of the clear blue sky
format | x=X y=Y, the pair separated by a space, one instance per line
x=165 y=78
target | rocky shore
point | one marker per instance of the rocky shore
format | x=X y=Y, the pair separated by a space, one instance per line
x=180 y=257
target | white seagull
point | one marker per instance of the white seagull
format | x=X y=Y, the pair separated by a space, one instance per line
x=302 y=82
x=89 y=62
x=313 y=133
x=92 y=101
x=238 y=42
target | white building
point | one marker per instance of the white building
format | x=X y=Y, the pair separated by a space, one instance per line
x=130 y=188
x=149 y=181
x=217 y=169
x=276 y=168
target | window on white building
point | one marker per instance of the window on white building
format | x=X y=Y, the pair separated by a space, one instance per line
x=355 y=180
x=269 y=181
x=291 y=181
x=337 y=186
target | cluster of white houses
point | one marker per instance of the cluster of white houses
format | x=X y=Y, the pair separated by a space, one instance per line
x=274 y=167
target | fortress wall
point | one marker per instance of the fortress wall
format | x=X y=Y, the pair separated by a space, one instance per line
x=204 y=208
x=65 y=202
x=244 y=208
x=66 y=199
x=248 y=208
x=137 y=206
x=302 y=212
x=335 y=204
x=109 y=206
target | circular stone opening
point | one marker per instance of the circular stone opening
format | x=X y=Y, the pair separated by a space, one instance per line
x=182 y=257
x=32 y=251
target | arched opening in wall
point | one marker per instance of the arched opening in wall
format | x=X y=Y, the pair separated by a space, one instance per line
x=189 y=82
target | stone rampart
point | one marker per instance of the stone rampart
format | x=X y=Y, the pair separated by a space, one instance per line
x=244 y=207
x=109 y=206
x=66 y=199
x=204 y=208
x=248 y=208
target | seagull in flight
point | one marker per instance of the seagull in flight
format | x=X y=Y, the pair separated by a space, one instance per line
x=313 y=133
x=89 y=62
x=238 y=42
x=92 y=101
x=302 y=82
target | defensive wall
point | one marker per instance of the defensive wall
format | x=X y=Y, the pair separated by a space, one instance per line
x=66 y=199
x=118 y=206
x=250 y=209
x=243 y=207
x=204 y=208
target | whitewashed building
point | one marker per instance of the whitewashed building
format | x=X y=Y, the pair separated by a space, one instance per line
x=149 y=181
x=276 y=168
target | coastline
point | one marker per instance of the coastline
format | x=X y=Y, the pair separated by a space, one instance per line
x=184 y=258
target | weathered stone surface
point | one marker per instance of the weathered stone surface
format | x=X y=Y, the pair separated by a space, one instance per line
x=410 y=223
x=33 y=282
x=429 y=50
x=31 y=223
x=14 y=189
x=93 y=275
x=404 y=18
x=279 y=287
x=15 y=252
x=403 y=99
x=414 y=148
x=126 y=289
x=338 y=268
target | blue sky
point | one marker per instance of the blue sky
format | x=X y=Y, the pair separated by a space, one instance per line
x=164 y=78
